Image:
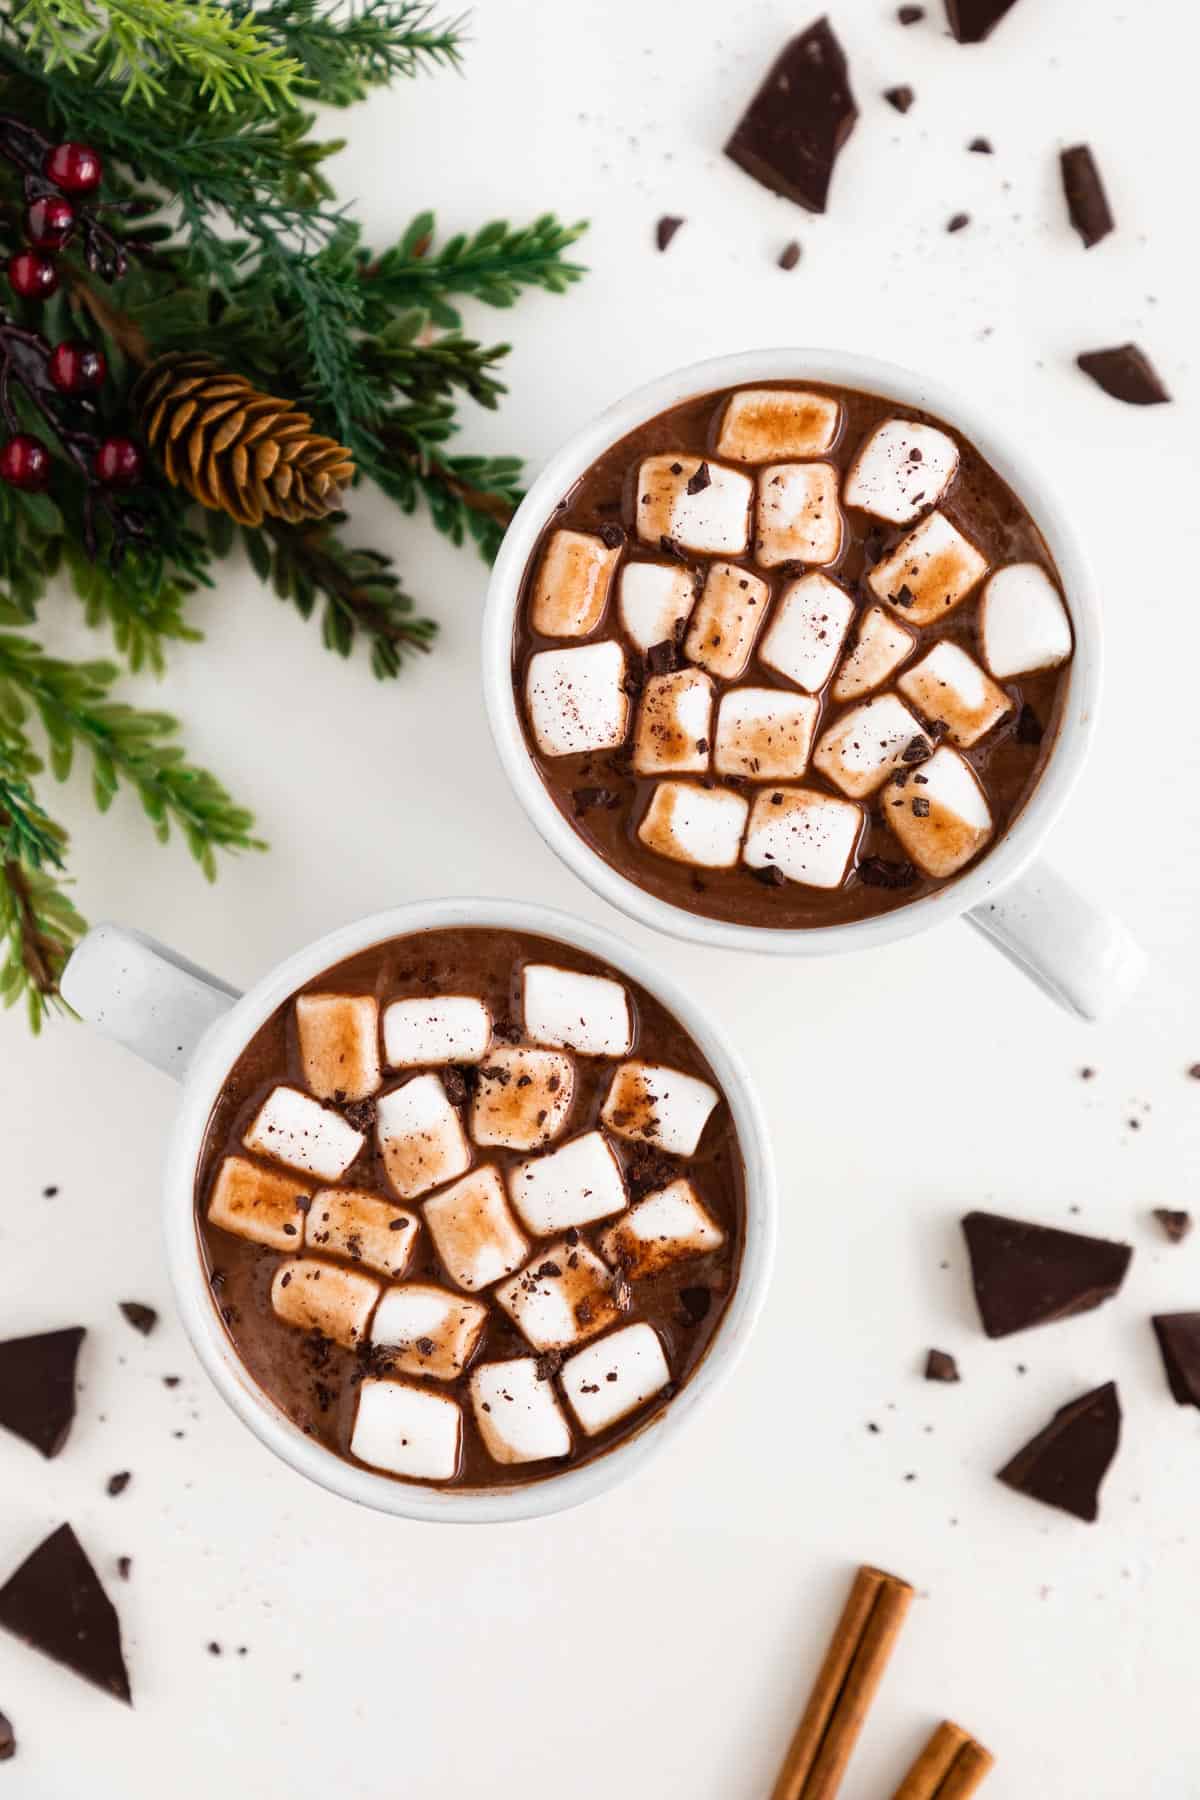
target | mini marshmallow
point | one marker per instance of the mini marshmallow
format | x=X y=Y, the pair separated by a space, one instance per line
x=1023 y=622
x=420 y=1137
x=407 y=1430
x=517 y=1413
x=611 y=1379
x=880 y=648
x=664 y=1107
x=859 y=752
x=930 y=572
x=572 y=585
x=576 y=699
x=948 y=685
x=571 y=1186
x=670 y=1226
x=363 y=1227
x=588 y=1013
x=900 y=469
x=523 y=1097
x=315 y=1295
x=297 y=1130
x=714 y=519
x=692 y=824
x=428 y=1330
x=799 y=519
x=941 y=815
x=564 y=1296
x=764 y=734
x=339 y=1044
x=674 y=724
x=763 y=424
x=727 y=620
x=474 y=1231
x=258 y=1204
x=808 y=836
x=446 y=1028
x=655 y=599
x=809 y=624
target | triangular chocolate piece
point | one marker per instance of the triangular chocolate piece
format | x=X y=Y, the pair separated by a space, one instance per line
x=789 y=136
x=1065 y=1464
x=1033 y=1274
x=1178 y=1337
x=55 y=1603
x=142 y=1318
x=37 y=1386
x=973 y=20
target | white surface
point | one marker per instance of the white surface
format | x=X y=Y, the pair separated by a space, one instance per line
x=1063 y=1646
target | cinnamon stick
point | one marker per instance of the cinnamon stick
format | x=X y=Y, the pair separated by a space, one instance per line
x=847 y=1682
x=950 y=1767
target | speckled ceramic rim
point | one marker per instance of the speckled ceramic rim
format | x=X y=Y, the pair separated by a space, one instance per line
x=1014 y=464
x=215 y=1057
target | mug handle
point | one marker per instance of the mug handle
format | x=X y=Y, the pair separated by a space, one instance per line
x=1079 y=954
x=144 y=995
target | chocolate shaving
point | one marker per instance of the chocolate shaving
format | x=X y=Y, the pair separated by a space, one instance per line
x=1087 y=202
x=973 y=20
x=1064 y=1465
x=665 y=230
x=941 y=1366
x=142 y=1318
x=37 y=1386
x=790 y=135
x=1126 y=373
x=899 y=97
x=1175 y=1225
x=1028 y=1275
x=54 y=1603
x=1178 y=1337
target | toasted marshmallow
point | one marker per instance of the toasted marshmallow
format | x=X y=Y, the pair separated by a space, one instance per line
x=809 y=624
x=901 y=469
x=765 y=424
x=799 y=519
x=611 y=1379
x=860 y=750
x=572 y=585
x=571 y=1186
x=1023 y=622
x=940 y=814
x=930 y=572
x=339 y=1044
x=363 y=1227
x=566 y=1294
x=258 y=1204
x=474 y=1231
x=808 y=836
x=407 y=1430
x=653 y=1105
x=420 y=1137
x=523 y=1097
x=692 y=824
x=316 y=1295
x=948 y=685
x=517 y=1412
x=576 y=699
x=674 y=724
x=299 y=1131
x=655 y=599
x=670 y=1226
x=588 y=1013
x=714 y=519
x=428 y=1330
x=727 y=620
x=446 y=1028
x=764 y=734
x=881 y=646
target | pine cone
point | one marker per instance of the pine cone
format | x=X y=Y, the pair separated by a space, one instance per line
x=234 y=449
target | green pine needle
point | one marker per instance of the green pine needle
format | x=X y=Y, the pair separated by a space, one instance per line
x=344 y=51
x=494 y=266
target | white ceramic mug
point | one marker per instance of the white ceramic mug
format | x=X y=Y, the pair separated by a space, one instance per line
x=1073 y=949
x=194 y=1027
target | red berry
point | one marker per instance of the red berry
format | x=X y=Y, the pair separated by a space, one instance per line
x=118 y=462
x=25 y=462
x=76 y=368
x=32 y=276
x=49 y=222
x=75 y=167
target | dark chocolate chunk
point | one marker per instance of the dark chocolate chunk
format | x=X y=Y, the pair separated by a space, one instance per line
x=696 y=1303
x=460 y=1081
x=789 y=256
x=700 y=480
x=917 y=750
x=585 y=798
x=958 y=222
x=55 y=1603
x=1065 y=1464
x=612 y=536
x=941 y=1366
x=981 y=146
x=910 y=15
x=360 y=1114
x=920 y=807
x=665 y=230
x=116 y=1484
x=1126 y=373
x=877 y=871
x=1178 y=1337
x=1028 y=1275
x=37 y=1386
x=899 y=97
x=548 y=1269
x=124 y=1565
x=769 y=875
x=1087 y=203
x=790 y=135
x=662 y=658
x=142 y=1318
x=1176 y=1225
x=973 y=20
x=1030 y=729
x=8 y=1739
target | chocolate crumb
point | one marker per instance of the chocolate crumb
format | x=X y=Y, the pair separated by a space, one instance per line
x=981 y=146
x=584 y=799
x=920 y=807
x=665 y=230
x=789 y=256
x=214 y=1649
x=958 y=222
x=360 y=1114
x=899 y=97
x=612 y=536
x=124 y=1566
x=910 y=15
x=1175 y=1225
x=877 y=871
x=142 y=1318
x=548 y=1269
x=941 y=1366
x=171 y=1381
x=116 y=1484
